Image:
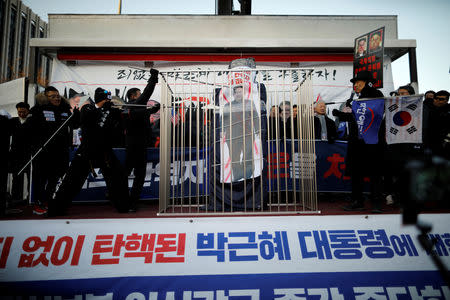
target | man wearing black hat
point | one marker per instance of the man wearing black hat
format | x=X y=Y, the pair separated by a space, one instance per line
x=99 y=124
x=362 y=160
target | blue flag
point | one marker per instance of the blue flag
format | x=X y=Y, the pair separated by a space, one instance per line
x=368 y=115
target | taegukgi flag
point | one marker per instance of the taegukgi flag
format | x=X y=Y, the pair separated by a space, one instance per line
x=404 y=119
x=368 y=114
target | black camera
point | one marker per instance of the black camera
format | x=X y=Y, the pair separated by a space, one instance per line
x=428 y=186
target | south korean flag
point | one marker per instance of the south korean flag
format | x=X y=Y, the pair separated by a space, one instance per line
x=404 y=119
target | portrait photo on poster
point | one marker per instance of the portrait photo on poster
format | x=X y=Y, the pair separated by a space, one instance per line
x=361 y=46
x=376 y=41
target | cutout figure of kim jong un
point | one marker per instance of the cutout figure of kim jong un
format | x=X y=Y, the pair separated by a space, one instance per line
x=240 y=135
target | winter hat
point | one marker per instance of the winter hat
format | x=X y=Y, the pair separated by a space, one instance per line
x=364 y=76
x=242 y=63
x=101 y=94
x=73 y=93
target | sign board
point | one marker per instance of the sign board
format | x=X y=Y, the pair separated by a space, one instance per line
x=368 y=55
x=188 y=171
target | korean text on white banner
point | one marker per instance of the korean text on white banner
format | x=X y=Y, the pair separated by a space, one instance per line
x=404 y=119
x=330 y=79
x=284 y=257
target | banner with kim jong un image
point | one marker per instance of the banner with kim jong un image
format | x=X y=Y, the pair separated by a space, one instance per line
x=368 y=55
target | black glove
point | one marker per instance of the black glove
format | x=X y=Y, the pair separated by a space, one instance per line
x=336 y=112
x=153 y=75
x=154 y=108
x=76 y=110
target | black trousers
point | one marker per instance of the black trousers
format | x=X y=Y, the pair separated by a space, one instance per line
x=47 y=171
x=113 y=172
x=3 y=188
x=376 y=188
x=136 y=161
x=17 y=185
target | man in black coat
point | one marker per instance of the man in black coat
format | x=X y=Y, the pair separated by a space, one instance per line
x=363 y=160
x=52 y=162
x=138 y=134
x=4 y=147
x=324 y=128
x=100 y=123
x=437 y=124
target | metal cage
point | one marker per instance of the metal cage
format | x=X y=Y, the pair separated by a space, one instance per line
x=237 y=140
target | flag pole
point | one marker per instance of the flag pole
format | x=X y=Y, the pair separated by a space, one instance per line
x=390 y=97
x=45 y=144
x=120 y=7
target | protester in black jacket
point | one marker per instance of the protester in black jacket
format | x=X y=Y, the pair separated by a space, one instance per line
x=20 y=152
x=53 y=136
x=138 y=134
x=4 y=147
x=324 y=128
x=99 y=124
x=363 y=160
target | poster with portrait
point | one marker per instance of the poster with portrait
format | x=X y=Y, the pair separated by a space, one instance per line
x=240 y=130
x=368 y=55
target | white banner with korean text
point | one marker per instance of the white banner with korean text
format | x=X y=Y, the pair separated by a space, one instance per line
x=331 y=80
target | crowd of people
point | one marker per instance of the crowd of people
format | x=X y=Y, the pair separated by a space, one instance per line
x=43 y=135
x=284 y=124
x=382 y=165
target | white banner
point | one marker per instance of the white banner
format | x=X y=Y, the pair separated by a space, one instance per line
x=344 y=255
x=11 y=93
x=31 y=250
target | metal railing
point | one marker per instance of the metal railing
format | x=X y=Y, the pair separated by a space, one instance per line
x=223 y=142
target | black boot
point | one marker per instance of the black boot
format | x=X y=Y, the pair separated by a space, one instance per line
x=133 y=205
x=376 y=206
x=355 y=206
